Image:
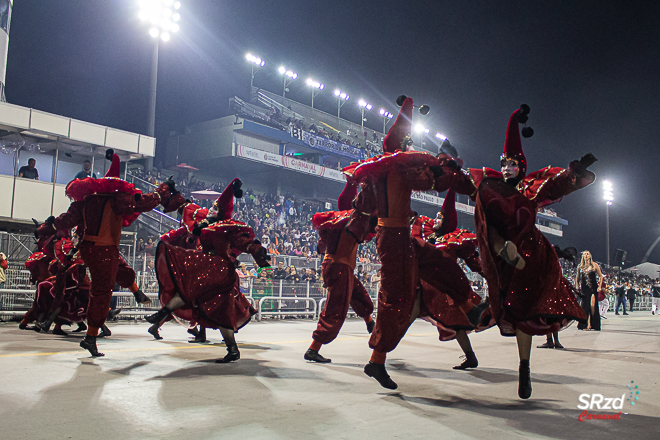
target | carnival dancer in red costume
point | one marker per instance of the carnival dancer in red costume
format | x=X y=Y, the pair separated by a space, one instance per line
x=339 y=248
x=203 y=285
x=191 y=216
x=440 y=309
x=387 y=185
x=63 y=298
x=529 y=295
x=38 y=264
x=103 y=206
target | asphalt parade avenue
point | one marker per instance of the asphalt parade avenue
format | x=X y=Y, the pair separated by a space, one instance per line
x=147 y=389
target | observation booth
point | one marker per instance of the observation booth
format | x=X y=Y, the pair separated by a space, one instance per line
x=60 y=146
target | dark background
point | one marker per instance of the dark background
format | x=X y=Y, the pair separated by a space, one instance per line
x=589 y=71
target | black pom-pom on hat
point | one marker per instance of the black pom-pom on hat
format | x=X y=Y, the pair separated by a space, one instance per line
x=527 y=132
x=109 y=153
x=236 y=188
x=524 y=108
x=400 y=99
x=424 y=110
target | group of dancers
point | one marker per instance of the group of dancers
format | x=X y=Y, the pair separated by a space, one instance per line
x=420 y=275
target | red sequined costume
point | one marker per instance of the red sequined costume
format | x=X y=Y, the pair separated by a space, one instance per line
x=439 y=308
x=67 y=291
x=339 y=248
x=103 y=206
x=38 y=264
x=537 y=299
x=387 y=184
x=206 y=280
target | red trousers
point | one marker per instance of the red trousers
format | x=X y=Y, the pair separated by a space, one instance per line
x=405 y=261
x=103 y=262
x=344 y=289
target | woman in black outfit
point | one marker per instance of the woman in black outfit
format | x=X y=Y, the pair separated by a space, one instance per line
x=589 y=281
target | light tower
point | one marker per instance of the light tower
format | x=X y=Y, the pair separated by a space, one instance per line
x=289 y=75
x=5 y=19
x=364 y=105
x=316 y=88
x=608 y=196
x=254 y=61
x=387 y=117
x=162 y=16
x=342 y=97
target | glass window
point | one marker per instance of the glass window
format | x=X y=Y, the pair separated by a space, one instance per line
x=5 y=14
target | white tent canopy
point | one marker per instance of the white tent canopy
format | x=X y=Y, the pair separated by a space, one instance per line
x=650 y=269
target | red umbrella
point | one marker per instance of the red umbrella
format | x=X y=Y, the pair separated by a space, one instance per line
x=206 y=194
x=185 y=166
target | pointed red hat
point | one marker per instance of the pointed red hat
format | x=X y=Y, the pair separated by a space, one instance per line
x=449 y=214
x=512 y=142
x=225 y=202
x=345 y=200
x=113 y=171
x=400 y=129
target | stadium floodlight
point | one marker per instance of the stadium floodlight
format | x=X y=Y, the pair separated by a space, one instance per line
x=608 y=196
x=342 y=97
x=441 y=136
x=161 y=17
x=254 y=61
x=289 y=75
x=387 y=117
x=316 y=88
x=364 y=105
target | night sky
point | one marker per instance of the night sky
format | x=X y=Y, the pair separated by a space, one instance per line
x=588 y=70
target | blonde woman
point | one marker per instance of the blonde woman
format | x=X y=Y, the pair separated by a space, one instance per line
x=588 y=282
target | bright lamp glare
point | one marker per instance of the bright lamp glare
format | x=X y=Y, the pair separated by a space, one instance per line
x=337 y=92
x=343 y=95
x=419 y=128
x=175 y=27
x=282 y=70
x=426 y=130
x=369 y=106
x=154 y=32
x=441 y=136
x=381 y=112
x=165 y=36
x=177 y=5
x=176 y=17
x=607 y=185
x=362 y=103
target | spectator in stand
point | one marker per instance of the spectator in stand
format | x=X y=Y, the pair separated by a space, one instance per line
x=360 y=274
x=244 y=278
x=29 y=171
x=279 y=273
x=309 y=275
x=293 y=277
x=86 y=171
x=149 y=247
x=3 y=266
x=375 y=279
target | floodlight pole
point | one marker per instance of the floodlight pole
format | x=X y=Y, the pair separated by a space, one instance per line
x=362 y=118
x=151 y=126
x=607 y=232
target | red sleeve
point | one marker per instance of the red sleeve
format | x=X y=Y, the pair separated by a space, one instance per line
x=71 y=218
x=550 y=184
x=4 y=264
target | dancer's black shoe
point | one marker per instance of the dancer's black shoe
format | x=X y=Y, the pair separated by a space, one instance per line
x=469 y=362
x=81 y=328
x=378 y=372
x=22 y=326
x=524 y=380
x=193 y=331
x=232 y=355
x=475 y=313
x=200 y=338
x=315 y=356
x=154 y=331
x=112 y=314
x=140 y=298
x=60 y=332
x=509 y=253
x=370 y=326
x=558 y=346
x=44 y=326
x=89 y=343
x=158 y=316
x=105 y=332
